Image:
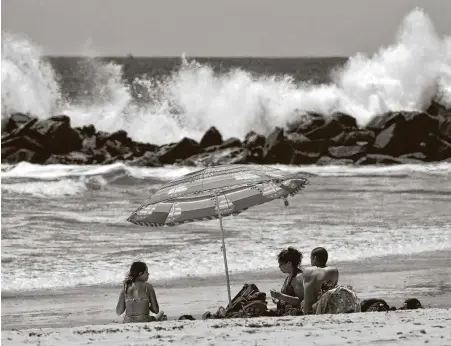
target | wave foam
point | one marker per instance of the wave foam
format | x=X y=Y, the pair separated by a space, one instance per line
x=405 y=75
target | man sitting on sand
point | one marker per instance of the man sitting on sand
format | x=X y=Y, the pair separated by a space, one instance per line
x=322 y=294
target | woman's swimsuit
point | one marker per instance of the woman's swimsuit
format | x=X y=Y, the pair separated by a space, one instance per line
x=129 y=302
x=283 y=307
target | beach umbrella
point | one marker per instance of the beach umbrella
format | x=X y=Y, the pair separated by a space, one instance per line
x=216 y=192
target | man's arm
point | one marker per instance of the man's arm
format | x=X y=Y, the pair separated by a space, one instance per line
x=309 y=290
x=331 y=276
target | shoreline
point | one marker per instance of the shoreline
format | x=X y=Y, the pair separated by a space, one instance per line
x=425 y=276
x=377 y=264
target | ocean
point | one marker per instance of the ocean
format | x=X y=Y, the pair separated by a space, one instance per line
x=64 y=226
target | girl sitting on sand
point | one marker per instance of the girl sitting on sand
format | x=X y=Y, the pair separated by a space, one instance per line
x=291 y=295
x=137 y=297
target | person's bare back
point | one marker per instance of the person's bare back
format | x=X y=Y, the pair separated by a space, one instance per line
x=314 y=279
x=137 y=297
x=322 y=293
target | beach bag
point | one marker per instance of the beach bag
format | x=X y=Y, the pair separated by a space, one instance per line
x=249 y=302
x=255 y=308
x=411 y=304
x=374 y=304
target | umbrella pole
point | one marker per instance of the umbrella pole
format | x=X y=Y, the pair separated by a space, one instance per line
x=224 y=251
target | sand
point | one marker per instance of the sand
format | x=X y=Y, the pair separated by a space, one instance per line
x=426 y=276
x=413 y=327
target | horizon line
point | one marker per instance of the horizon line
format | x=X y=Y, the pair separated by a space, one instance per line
x=131 y=56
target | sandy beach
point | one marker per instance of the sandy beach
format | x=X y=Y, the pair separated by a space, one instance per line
x=426 y=276
x=413 y=327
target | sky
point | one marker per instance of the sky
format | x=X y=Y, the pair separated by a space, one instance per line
x=277 y=28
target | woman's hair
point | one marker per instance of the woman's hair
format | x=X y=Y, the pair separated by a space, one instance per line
x=290 y=255
x=136 y=269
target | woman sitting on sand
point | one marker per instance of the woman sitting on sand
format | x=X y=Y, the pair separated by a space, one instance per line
x=291 y=295
x=137 y=297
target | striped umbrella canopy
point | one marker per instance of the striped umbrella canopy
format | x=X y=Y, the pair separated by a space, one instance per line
x=216 y=192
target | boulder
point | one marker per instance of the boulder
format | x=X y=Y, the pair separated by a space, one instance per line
x=330 y=161
x=328 y=130
x=17 y=120
x=56 y=135
x=169 y=154
x=277 y=149
x=353 y=153
x=211 y=137
x=304 y=158
x=306 y=122
x=403 y=132
x=72 y=158
x=149 y=159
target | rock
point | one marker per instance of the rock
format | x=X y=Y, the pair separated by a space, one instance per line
x=277 y=149
x=444 y=126
x=306 y=122
x=211 y=137
x=330 y=161
x=436 y=108
x=16 y=120
x=232 y=155
x=121 y=136
x=378 y=159
x=230 y=143
x=56 y=135
x=345 y=120
x=23 y=142
x=254 y=140
x=86 y=131
x=149 y=159
x=115 y=148
x=100 y=156
x=385 y=140
x=306 y=151
x=414 y=156
x=21 y=130
x=304 y=158
x=436 y=149
x=404 y=132
x=72 y=158
x=394 y=137
x=297 y=140
x=101 y=138
x=414 y=120
x=187 y=147
x=89 y=144
x=330 y=129
x=355 y=137
x=25 y=155
x=353 y=153
x=254 y=144
x=318 y=146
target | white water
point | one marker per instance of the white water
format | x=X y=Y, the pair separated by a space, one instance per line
x=64 y=226
x=405 y=75
x=60 y=181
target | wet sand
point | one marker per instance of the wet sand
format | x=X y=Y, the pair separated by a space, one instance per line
x=426 y=276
